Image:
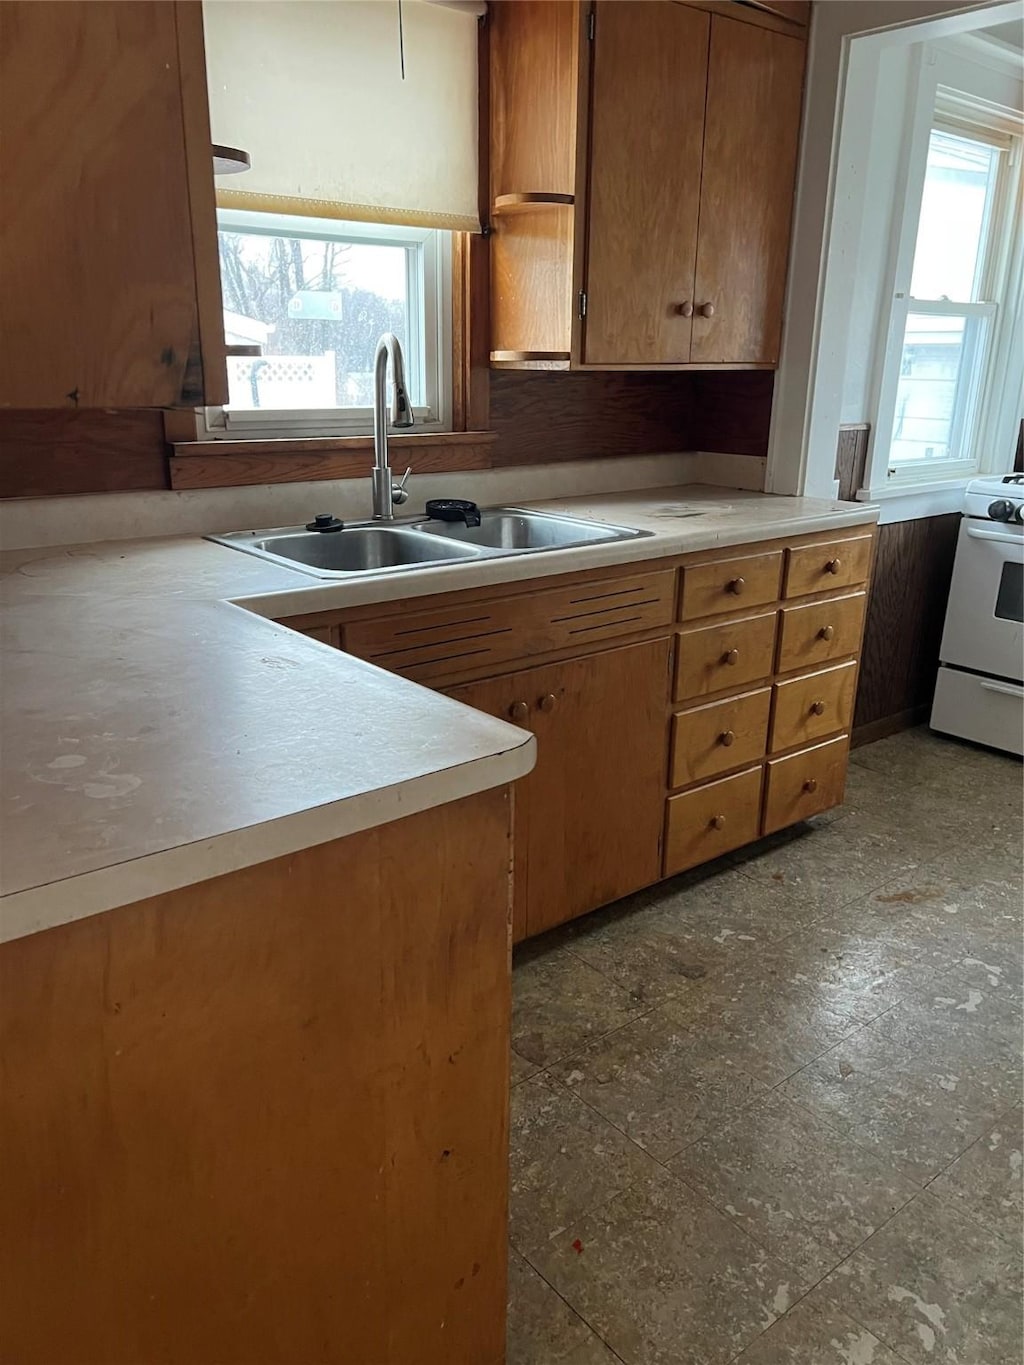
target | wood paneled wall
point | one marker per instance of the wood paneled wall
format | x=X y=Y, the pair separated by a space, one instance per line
x=50 y=451
x=906 y=612
x=538 y=418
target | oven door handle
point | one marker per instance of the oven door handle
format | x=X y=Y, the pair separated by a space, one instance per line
x=1004 y=689
x=1005 y=537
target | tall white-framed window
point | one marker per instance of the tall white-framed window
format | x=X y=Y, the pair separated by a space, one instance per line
x=946 y=383
x=308 y=298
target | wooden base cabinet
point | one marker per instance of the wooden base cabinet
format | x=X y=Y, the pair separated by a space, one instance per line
x=682 y=707
x=588 y=818
x=263 y=1120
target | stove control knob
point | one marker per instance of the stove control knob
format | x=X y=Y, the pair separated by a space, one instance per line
x=1018 y=514
x=1000 y=510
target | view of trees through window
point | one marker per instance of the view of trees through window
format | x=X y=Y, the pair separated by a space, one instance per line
x=316 y=308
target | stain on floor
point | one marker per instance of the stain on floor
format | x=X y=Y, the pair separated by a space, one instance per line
x=770 y=1112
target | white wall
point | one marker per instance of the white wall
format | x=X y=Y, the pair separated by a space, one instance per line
x=830 y=314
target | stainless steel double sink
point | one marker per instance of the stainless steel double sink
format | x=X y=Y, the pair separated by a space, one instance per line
x=375 y=547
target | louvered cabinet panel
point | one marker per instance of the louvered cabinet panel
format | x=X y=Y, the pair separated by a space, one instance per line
x=444 y=642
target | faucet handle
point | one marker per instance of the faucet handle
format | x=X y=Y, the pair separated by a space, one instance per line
x=399 y=494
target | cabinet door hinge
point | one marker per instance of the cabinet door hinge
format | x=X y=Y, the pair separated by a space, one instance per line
x=583 y=303
x=591 y=24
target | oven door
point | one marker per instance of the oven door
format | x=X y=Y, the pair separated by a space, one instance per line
x=984 y=630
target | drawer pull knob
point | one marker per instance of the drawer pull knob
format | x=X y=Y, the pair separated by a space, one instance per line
x=827 y=632
x=684 y=310
x=548 y=703
x=706 y=310
x=518 y=710
x=731 y=656
x=718 y=822
x=736 y=585
x=818 y=708
x=727 y=737
x=833 y=566
x=811 y=785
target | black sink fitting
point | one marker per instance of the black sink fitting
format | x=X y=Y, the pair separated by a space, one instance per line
x=454 y=509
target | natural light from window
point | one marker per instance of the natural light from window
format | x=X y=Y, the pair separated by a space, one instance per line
x=948 y=325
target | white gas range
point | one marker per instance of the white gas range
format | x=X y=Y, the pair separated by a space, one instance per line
x=980 y=690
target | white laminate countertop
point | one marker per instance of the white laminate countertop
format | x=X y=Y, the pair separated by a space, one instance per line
x=158 y=727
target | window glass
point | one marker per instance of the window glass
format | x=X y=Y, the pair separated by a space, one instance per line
x=316 y=307
x=959 y=183
x=939 y=371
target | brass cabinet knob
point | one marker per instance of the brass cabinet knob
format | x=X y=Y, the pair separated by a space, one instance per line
x=827 y=632
x=706 y=310
x=548 y=703
x=811 y=785
x=731 y=656
x=519 y=710
x=818 y=708
x=728 y=738
x=718 y=822
x=833 y=566
x=685 y=310
x=736 y=585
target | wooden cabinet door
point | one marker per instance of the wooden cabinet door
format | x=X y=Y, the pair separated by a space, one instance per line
x=587 y=821
x=646 y=131
x=751 y=130
x=108 y=241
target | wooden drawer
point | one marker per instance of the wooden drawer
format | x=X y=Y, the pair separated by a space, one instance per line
x=474 y=635
x=811 y=707
x=711 y=820
x=827 y=565
x=730 y=585
x=722 y=735
x=820 y=631
x=805 y=783
x=724 y=657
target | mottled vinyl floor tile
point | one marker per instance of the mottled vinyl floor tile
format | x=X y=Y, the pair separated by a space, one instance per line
x=665 y=1279
x=563 y=1160
x=917 y=1109
x=810 y=1334
x=986 y=1181
x=808 y=1194
x=867 y=965
x=935 y=1287
x=662 y=1085
x=559 y=1003
x=542 y=1328
x=828 y=865
x=764 y=1032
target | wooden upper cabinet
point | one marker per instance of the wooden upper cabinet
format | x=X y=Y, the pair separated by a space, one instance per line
x=642 y=169
x=646 y=127
x=109 y=282
x=751 y=129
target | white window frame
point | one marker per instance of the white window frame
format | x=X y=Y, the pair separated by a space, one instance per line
x=996 y=392
x=428 y=289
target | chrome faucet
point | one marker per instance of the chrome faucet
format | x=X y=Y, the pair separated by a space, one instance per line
x=386 y=493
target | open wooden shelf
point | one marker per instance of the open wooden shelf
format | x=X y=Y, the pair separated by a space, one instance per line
x=530 y=360
x=530 y=202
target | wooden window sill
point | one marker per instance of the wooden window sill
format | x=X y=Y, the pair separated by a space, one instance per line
x=227 y=464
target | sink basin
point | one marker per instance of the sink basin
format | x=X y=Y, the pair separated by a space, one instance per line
x=375 y=548
x=510 y=530
x=356 y=549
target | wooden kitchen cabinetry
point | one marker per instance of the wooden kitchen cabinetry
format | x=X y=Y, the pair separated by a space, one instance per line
x=683 y=707
x=643 y=159
x=109 y=276
x=588 y=818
